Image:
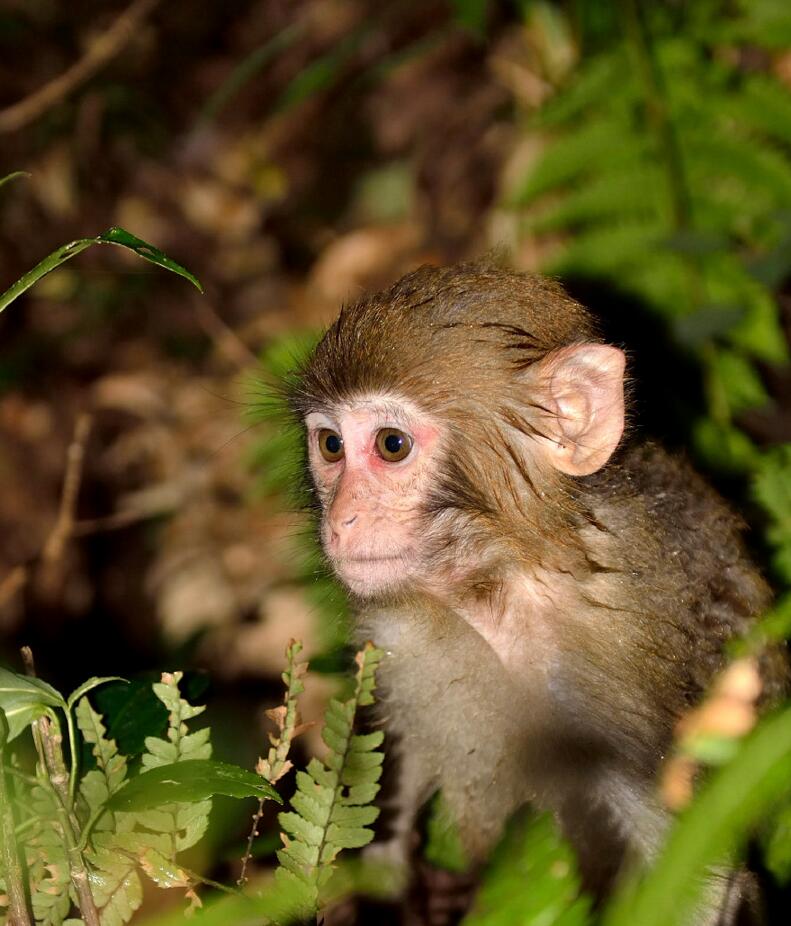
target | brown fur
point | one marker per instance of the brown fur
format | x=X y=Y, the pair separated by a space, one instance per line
x=613 y=594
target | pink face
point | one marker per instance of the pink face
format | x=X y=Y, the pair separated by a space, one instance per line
x=371 y=461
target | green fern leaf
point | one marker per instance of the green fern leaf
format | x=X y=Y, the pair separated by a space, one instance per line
x=590 y=84
x=576 y=155
x=713 y=155
x=331 y=807
x=627 y=192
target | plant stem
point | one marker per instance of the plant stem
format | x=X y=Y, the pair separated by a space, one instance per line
x=18 y=914
x=657 y=108
x=48 y=739
x=59 y=779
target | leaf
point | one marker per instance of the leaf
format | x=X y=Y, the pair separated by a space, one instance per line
x=132 y=712
x=89 y=686
x=111 y=766
x=730 y=803
x=531 y=881
x=113 y=235
x=25 y=699
x=13 y=176
x=190 y=780
x=778 y=845
x=443 y=847
x=331 y=811
x=125 y=239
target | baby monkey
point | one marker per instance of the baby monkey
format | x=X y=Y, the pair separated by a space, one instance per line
x=549 y=603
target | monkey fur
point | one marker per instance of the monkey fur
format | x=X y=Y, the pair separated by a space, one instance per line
x=552 y=608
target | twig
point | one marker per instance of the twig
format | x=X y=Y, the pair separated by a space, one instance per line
x=100 y=52
x=62 y=530
x=48 y=739
x=12 y=583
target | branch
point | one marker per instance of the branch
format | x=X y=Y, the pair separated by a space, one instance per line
x=64 y=525
x=99 y=53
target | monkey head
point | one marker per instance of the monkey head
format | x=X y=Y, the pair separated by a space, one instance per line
x=446 y=420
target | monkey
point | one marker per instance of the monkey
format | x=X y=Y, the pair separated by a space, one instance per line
x=551 y=596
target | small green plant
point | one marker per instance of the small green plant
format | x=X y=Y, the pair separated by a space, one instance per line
x=332 y=807
x=85 y=837
x=88 y=837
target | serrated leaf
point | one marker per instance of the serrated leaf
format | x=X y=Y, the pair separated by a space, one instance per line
x=349 y=815
x=326 y=778
x=309 y=808
x=361 y=761
x=160 y=752
x=195 y=745
x=348 y=837
x=162 y=871
x=334 y=742
x=365 y=742
x=302 y=853
x=302 y=829
x=190 y=780
x=320 y=793
x=362 y=794
x=352 y=777
x=192 y=821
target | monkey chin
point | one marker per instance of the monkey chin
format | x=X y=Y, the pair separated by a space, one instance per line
x=372 y=576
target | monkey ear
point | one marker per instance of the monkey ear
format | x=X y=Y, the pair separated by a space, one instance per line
x=582 y=392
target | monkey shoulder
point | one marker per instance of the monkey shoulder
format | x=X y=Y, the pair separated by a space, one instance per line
x=683 y=550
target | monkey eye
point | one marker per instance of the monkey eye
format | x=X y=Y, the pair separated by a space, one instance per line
x=393 y=445
x=330 y=445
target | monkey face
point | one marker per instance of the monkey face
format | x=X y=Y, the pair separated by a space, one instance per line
x=371 y=460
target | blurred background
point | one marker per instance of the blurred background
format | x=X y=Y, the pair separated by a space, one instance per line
x=293 y=154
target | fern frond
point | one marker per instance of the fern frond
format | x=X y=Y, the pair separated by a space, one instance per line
x=99 y=783
x=602 y=141
x=757 y=167
x=761 y=104
x=607 y=248
x=633 y=191
x=591 y=84
x=332 y=803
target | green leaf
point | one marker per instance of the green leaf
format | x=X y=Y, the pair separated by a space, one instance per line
x=13 y=176
x=345 y=837
x=25 y=699
x=531 y=881
x=720 y=817
x=443 y=844
x=89 y=686
x=125 y=239
x=777 y=853
x=112 y=236
x=132 y=712
x=190 y=780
